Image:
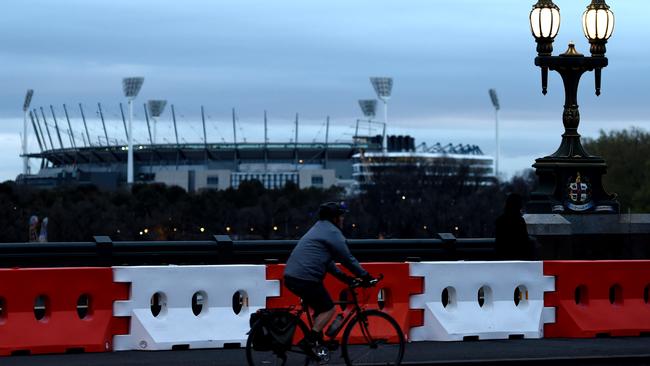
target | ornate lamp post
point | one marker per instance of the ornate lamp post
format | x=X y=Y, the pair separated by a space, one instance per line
x=570 y=180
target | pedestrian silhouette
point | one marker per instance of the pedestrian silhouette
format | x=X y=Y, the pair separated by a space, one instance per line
x=33 y=228
x=42 y=237
x=512 y=241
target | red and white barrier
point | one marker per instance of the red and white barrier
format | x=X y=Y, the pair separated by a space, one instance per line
x=58 y=310
x=227 y=295
x=599 y=298
x=481 y=300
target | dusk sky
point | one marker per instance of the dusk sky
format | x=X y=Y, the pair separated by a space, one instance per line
x=314 y=58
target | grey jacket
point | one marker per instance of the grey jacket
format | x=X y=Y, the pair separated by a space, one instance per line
x=317 y=253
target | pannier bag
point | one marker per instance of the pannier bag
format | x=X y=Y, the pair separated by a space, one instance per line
x=277 y=330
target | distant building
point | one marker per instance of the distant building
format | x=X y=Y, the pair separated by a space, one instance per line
x=197 y=166
x=422 y=165
x=224 y=165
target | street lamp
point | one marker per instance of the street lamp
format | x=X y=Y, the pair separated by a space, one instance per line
x=383 y=87
x=28 y=101
x=598 y=25
x=570 y=180
x=497 y=106
x=131 y=87
x=155 y=107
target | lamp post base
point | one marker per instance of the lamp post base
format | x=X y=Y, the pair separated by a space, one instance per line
x=571 y=185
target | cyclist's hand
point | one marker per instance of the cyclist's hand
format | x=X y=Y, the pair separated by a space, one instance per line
x=368 y=280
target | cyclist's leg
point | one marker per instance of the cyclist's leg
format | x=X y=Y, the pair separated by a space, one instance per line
x=316 y=297
x=321 y=320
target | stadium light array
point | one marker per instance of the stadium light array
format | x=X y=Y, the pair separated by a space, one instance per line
x=368 y=107
x=28 y=101
x=383 y=87
x=131 y=87
x=495 y=99
x=156 y=108
x=497 y=107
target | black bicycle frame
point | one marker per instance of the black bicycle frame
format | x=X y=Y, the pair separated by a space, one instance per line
x=355 y=311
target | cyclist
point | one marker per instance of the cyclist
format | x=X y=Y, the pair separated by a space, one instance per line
x=313 y=257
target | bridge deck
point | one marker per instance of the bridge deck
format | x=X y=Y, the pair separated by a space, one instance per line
x=609 y=351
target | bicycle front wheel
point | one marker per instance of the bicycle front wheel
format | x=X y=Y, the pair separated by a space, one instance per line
x=260 y=353
x=373 y=338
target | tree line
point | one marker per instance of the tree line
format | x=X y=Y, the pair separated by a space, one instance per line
x=627 y=153
x=158 y=212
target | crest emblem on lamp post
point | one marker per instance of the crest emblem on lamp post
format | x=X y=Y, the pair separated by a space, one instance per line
x=579 y=193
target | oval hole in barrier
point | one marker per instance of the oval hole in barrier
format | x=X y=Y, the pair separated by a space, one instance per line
x=158 y=304
x=3 y=309
x=581 y=295
x=239 y=302
x=83 y=306
x=199 y=302
x=382 y=298
x=616 y=294
x=646 y=296
x=41 y=307
x=485 y=297
x=521 y=296
x=448 y=298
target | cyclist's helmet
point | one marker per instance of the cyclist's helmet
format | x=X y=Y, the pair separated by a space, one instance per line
x=331 y=210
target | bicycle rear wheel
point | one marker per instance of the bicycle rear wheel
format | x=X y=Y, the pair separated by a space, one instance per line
x=373 y=338
x=263 y=355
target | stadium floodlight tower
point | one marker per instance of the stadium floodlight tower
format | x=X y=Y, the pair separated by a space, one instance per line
x=28 y=101
x=369 y=109
x=131 y=87
x=383 y=87
x=497 y=106
x=156 y=107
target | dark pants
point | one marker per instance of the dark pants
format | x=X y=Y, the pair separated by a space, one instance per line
x=312 y=293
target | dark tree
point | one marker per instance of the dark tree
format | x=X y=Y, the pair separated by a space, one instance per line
x=400 y=203
x=627 y=154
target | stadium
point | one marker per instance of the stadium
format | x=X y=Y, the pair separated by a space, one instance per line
x=104 y=161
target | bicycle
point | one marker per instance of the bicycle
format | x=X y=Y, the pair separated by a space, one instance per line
x=370 y=336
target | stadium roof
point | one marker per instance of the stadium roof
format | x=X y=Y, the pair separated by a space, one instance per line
x=198 y=152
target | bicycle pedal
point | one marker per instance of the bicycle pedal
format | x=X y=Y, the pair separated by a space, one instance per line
x=323 y=354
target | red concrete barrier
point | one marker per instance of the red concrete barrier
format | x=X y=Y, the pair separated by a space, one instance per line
x=59 y=310
x=598 y=298
x=396 y=289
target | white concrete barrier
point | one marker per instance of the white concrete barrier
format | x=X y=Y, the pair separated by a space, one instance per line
x=470 y=300
x=190 y=306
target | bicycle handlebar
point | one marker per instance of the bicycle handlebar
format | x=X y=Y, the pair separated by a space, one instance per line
x=358 y=282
